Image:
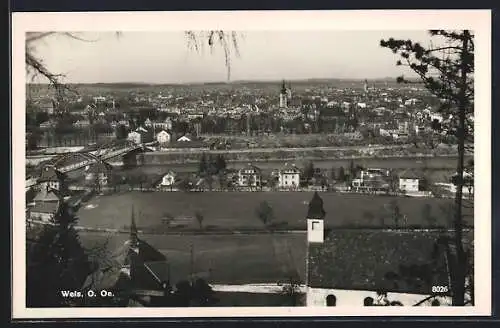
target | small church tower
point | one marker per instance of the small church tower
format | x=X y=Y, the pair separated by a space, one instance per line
x=315 y=217
x=315 y=231
x=283 y=96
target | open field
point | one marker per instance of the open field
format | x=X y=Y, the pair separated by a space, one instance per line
x=236 y=210
x=252 y=258
x=266 y=258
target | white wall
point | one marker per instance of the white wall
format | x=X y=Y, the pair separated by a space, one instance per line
x=45 y=217
x=168 y=180
x=289 y=180
x=134 y=137
x=408 y=184
x=317 y=297
x=163 y=137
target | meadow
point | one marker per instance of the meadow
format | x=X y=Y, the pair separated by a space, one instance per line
x=236 y=210
x=262 y=258
x=273 y=258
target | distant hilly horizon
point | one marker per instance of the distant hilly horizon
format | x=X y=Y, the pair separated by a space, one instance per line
x=273 y=81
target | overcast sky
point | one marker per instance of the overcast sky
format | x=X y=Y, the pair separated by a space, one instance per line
x=165 y=57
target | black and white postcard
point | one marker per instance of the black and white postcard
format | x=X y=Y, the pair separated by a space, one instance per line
x=208 y=164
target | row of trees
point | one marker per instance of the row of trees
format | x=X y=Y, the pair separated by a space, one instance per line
x=211 y=165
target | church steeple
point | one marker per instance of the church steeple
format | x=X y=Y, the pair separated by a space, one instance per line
x=283 y=96
x=283 y=88
x=315 y=209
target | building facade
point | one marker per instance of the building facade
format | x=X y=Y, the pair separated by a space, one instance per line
x=283 y=96
x=163 y=137
x=289 y=177
x=135 y=137
x=168 y=180
x=250 y=176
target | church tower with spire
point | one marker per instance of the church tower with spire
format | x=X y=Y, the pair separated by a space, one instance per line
x=283 y=96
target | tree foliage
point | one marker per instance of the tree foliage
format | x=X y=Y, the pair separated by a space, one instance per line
x=265 y=213
x=56 y=261
x=447 y=71
x=199 y=218
x=228 y=41
x=309 y=170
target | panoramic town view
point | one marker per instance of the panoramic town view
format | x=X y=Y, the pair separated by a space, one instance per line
x=219 y=168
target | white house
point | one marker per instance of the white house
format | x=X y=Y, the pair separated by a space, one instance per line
x=184 y=138
x=167 y=124
x=163 y=137
x=409 y=181
x=168 y=180
x=249 y=176
x=134 y=136
x=47 y=202
x=372 y=173
x=141 y=130
x=125 y=123
x=50 y=178
x=43 y=211
x=289 y=177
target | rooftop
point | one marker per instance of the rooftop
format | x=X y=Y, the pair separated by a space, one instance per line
x=45 y=207
x=49 y=173
x=370 y=260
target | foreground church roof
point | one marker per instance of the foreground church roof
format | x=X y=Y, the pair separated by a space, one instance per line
x=394 y=261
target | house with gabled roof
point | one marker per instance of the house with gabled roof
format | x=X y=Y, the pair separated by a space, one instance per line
x=250 y=176
x=289 y=177
x=168 y=179
x=135 y=137
x=163 y=137
x=51 y=178
x=184 y=138
x=409 y=181
x=46 y=204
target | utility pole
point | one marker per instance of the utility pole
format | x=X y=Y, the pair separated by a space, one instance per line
x=191 y=266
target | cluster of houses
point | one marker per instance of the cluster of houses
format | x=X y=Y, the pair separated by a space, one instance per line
x=249 y=177
x=51 y=192
x=159 y=132
x=290 y=178
x=51 y=189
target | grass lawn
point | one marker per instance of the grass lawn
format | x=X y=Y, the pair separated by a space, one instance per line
x=229 y=259
x=355 y=262
x=236 y=210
